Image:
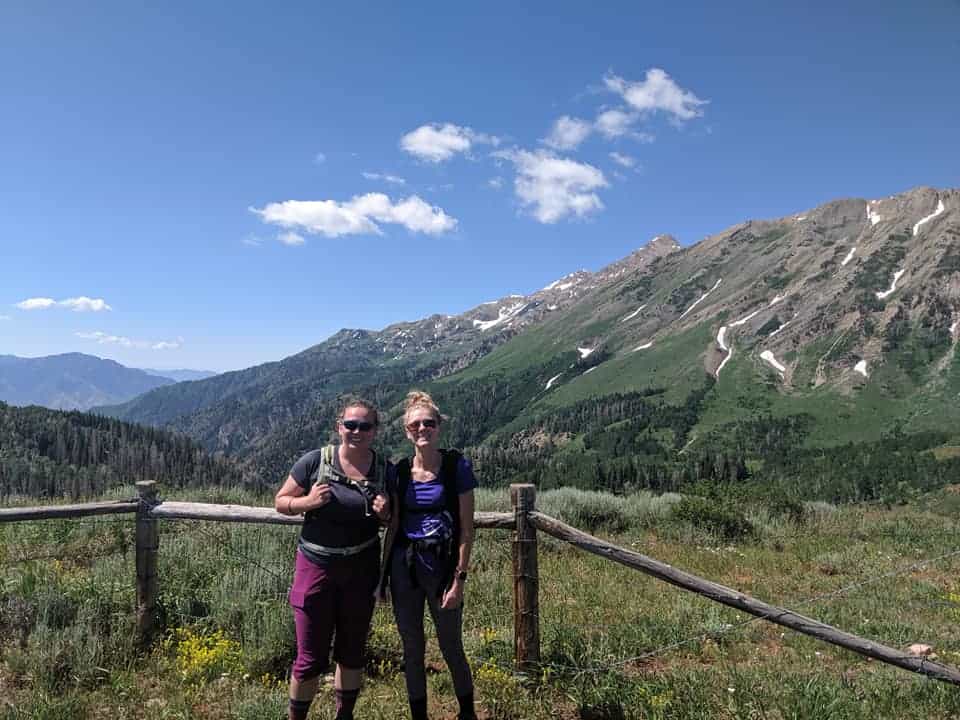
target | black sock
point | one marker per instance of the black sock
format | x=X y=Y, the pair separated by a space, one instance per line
x=346 y=700
x=466 y=707
x=418 y=708
x=298 y=709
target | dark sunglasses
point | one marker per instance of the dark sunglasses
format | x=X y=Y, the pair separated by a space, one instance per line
x=417 y=424
x=361 y=425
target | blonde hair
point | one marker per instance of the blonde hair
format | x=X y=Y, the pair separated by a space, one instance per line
x=350 y=402
x=419 y=399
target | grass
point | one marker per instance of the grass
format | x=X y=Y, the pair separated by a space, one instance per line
x=615 y=643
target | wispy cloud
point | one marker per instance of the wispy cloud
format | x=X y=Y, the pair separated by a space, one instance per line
x=291 y=239
x=623 y=160
x=360 y=215
x=392 y=179
x=103 y=338
x=252 y=241
x=567 y=133
x=4 y=317
x=320 y=158
x=436 y=143
x=656 y=92
x=495 y=182
x=552 y=188
x=77 y=304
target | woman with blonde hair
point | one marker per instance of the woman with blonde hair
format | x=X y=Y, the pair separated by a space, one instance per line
x=428 y=551
x=340 y=490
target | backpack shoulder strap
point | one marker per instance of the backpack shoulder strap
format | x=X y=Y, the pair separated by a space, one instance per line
x=325 y=466
x=404 y=476
x=449 y=468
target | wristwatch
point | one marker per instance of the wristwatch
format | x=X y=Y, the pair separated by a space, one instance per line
x=462 y=575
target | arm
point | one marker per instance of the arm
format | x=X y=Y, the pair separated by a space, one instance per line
x=453 y=597
x=291 y=500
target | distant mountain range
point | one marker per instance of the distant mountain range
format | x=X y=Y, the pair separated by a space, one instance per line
x=181 y=375
x=74 y=381
x=841 y=320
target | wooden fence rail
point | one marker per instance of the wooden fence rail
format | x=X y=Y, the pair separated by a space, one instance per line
x=525 y=521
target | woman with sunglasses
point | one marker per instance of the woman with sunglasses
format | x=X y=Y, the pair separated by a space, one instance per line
x=339 y=490
x=427 y=560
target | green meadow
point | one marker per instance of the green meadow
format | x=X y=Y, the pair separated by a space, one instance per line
x=615 y=643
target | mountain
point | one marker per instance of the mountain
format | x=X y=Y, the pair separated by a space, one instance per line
x=71 y=381
x=740 y=353
x=49 y=453
x=181 y=375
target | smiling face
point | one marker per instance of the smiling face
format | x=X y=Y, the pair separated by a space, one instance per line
x=358 y=427
x=423 y=427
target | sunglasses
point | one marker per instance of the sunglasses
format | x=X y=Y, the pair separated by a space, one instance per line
x=417 y=424
x=361 y=425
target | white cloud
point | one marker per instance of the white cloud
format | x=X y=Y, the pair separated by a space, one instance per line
x=656 y=92
x=252 y=241
x=291 y=239
x=103 y=338
x=77 y=304
x=320 y=158
x=392 y=179
x=495 y=182
x=553 y=187
x=38 y=303
x=615 y=123
x=360 y=215
x=623 y=160
x=85 y=304
x=436 y=143
x=567 y=133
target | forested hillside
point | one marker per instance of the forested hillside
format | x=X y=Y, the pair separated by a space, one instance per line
x=46 y=453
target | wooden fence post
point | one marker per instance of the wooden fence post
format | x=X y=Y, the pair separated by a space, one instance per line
x=526 y=603
x=148 y=541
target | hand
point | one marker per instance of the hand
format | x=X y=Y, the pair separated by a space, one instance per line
x=381 y=507
x=453 y=597
x=319 y=495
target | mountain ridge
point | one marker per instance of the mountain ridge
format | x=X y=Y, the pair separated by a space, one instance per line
x=828 y=310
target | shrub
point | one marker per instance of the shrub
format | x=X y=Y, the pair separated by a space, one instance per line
x=713 y=516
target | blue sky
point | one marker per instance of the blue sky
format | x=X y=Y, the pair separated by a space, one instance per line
x=215 y=185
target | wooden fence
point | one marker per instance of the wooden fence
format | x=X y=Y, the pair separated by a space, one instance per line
x=525 y=521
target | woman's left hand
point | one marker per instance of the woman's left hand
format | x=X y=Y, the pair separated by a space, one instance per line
x=381 y=508
x=453 y=597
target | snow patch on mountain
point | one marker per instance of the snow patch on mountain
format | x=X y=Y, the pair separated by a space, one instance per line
x=928 y=218
x=504 y=314
x=749 y=317
x=585 y=352
x=552 y=380
x=702 y=298
x=782 y=326
x=953 y=328
x=873 y=217
x=893 y=286
x=561 y=285
x=721 y=335
x=768 y=357
x=722 y=342
x=776 y=299
x=590 y=370
x=861 y=367
x=849 y=256
x=633 y=314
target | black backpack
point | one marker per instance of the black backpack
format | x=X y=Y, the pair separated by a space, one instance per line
x=451 y=503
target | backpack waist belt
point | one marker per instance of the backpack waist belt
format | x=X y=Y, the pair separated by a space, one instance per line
x=325 y=551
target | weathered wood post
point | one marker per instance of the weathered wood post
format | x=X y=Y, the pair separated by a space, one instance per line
x=148 y=541
x=526 y=603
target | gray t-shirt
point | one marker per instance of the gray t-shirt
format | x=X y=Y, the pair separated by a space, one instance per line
x=346 y=520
